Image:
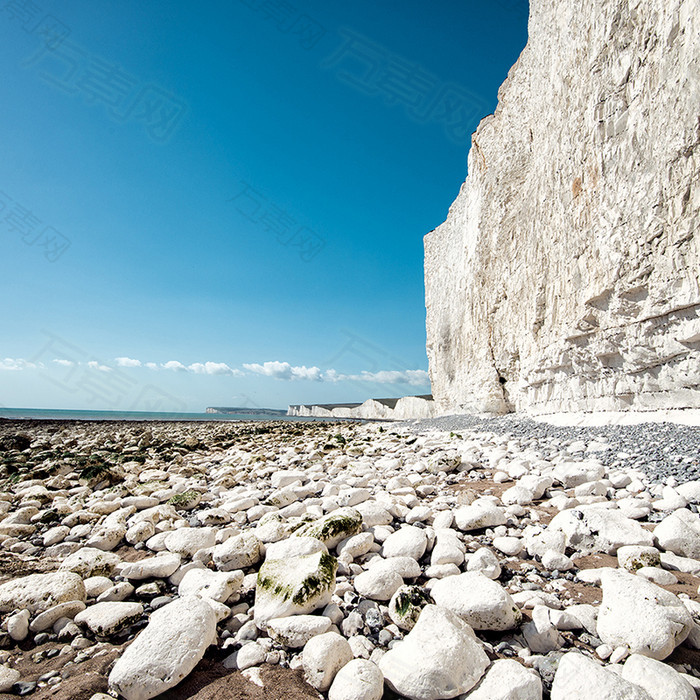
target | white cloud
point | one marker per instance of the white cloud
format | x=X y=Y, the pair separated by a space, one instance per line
x=151 y=365
x=278 y=370
x=283 y=370
x=220 y=368
x=12 y=365
x=96 y=365
x=174 y=365
x=312 y=373
x=64 y=363
x=127 y=362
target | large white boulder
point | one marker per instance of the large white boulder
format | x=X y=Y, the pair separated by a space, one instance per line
x=107 y=619
x=482 y=603
x=506 y=679
x=166 y=651
x=572 y=474
x=479 y=515
x=635 y=612
x=295 y=631
x=440 y=658
x=323 y=656
x=581 y=678
x=160 y=566
x=333 y=527
x=186 y=541
x=680 y=533
x=595 y=529
x=657 y=678
x=215 y=585
x=358 y=680
x=409 y=541
x=40 y=592
x=90 y=561
x=238 y=552
x=294 y=586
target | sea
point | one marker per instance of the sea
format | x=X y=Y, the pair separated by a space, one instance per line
x=61 y=414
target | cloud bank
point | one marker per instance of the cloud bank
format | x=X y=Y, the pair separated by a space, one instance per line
x=274 y=369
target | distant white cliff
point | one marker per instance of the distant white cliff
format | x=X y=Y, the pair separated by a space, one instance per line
x=566 y=276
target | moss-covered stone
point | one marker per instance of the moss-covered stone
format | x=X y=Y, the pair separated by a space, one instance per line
x=294 y=586
x=334 y=527
x=185 y=500
x=407 y=604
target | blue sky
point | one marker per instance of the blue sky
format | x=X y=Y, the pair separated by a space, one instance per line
x=224 y=204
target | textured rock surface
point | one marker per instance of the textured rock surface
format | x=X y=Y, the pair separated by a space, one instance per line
x=566 y=274
x=166 y=651
x=440 y=658
x=40 y=592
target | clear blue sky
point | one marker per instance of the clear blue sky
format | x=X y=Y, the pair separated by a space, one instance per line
x=224 y=203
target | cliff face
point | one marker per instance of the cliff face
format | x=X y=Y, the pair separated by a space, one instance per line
x=566 y=276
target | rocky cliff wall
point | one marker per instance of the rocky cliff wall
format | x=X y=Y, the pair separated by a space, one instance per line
x=566 y=274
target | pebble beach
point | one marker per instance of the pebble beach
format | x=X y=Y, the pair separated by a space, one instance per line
x=452 y=558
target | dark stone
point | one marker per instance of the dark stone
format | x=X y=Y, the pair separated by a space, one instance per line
x=23 y=688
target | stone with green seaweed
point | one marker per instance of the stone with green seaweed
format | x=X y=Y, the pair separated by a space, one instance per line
x=294 y=586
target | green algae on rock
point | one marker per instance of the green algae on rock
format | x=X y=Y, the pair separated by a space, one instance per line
x=407 y=604
x=334 y=527
x=294 y=586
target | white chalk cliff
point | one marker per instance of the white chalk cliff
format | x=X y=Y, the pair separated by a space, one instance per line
x=566 y=276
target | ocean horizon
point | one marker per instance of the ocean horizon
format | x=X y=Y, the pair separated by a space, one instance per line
x=90 y=415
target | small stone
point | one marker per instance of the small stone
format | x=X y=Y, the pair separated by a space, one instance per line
x=657 y=575
x=634 y=557
x=406 y=605
x=295 y=631
x=23 y=688
x=8 y=677
x=358 y=680
x=238 y=552
x=18 y=625
x=486 y=562
x=46 y=619
x=510 y=546
x=216 y=585
x=479 y=515
x=160 y=566
x=95 y=585
x=117 y=593
x=250 y=655
x=187 y=541
x=107 y=619
x=323 y=656
x=507 y=679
